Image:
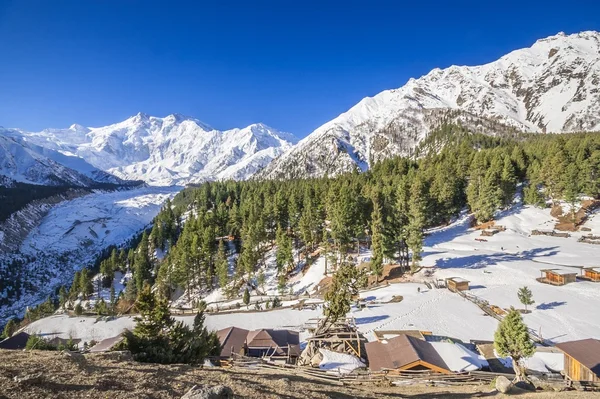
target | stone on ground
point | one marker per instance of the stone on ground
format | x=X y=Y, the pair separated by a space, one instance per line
x=204 y=392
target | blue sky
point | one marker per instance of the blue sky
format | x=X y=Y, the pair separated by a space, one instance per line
x=290 y=64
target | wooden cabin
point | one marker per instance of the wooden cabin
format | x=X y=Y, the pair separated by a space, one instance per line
x=277 y=345
x=592 y=273
x=405 y=353
x=582 y=360
x=455 y=284
x=557 y=276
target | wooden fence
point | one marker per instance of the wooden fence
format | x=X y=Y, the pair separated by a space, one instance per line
x=363 y=376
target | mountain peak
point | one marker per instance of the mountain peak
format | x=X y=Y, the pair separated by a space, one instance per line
x=552 y=86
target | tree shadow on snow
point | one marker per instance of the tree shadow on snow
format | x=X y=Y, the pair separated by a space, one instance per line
x=367 y=320
x=477 y=287
x=484 y=260
x=550 y=305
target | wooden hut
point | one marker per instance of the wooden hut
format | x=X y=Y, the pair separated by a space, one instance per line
x=592 y=273
x=582 y=360
x=233 y=341
x=455 y=284
x=404 y=353
x=557 y=276
x=281 y=345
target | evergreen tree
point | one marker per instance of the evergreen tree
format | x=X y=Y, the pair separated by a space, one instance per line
x=113 y=298
x=512 y=339
x=78 y=309
x=525 y=296
x=221 y=265
x=75 y=286
x=86 y=286
x=142 y=263
x=158 y=338
x=246 y=297
x=417 y=206
x=509 y=181
x=342 y=291
x=63 y=296
x=10 y=328
x=376 y=239
x=284 y=256
x=261 y=279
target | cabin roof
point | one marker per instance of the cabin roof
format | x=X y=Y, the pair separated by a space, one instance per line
x=593 y=268
x=237 y=338
x=458 y=279
x=560 y=272
x=401 y=351
x=232 y=340
x=585 y=351
x=17 y=341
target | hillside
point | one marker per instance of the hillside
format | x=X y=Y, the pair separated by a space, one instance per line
x=97 y=376
x=553 y=86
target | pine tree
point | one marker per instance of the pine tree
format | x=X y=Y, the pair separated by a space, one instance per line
x=142 y=263
x=9 y=329
x=512 y=339
x=342 y=291
x=78 y=309
x=509 y=181
x=417 y=206
x=75 y=286
x=376 y=240
x=221 y=265
x=63 y=296
x=261 y=279
x=525 y=296
x=284 y=255
x=281 y=283
x=86 y=286
x=113 y=298
x=246 y=297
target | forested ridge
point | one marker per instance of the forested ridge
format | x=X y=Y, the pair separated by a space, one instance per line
x=193 y=238
x=390 y=205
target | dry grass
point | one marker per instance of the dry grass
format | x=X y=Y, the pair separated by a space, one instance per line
x=101 y=377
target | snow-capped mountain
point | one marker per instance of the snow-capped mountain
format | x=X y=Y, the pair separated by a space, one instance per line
x=29 y=163
x=553 y=86
x=170 y=150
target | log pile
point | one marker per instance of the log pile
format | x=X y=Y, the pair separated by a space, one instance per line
x=549 y=233
x=342 y=336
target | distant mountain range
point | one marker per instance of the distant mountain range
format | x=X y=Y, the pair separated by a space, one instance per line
x=553 y=86
x=164 y=151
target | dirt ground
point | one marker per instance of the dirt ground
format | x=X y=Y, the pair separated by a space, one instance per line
x=97 y=376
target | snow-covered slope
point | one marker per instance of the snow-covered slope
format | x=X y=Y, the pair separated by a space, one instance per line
x=171 y=150
x=553 y=86
x=28 y=163
x=68 y=237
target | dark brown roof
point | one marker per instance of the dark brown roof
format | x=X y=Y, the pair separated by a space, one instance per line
x=17 y=341
x=268 y=338
x=401 y=351
x=585 y=351
x=232 y=339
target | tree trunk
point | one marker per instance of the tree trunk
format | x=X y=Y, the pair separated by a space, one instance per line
x=519 y=375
